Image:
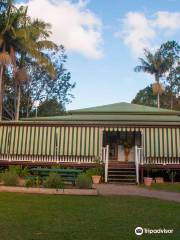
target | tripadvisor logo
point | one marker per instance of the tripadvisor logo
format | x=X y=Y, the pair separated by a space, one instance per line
x=139 y=231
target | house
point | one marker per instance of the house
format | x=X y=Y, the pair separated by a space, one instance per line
x=125 y=136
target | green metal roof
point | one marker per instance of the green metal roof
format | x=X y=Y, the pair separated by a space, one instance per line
x=122 y=107
x=116 y=113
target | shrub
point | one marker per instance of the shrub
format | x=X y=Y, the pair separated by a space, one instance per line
x=19 y=170
x=93 y=172
x=9 y=178
x=83 y=181
x=33 y=182
x=54 y=180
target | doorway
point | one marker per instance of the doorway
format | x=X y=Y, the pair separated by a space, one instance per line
x=122 y=144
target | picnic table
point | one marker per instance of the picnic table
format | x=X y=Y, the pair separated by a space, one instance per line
x=68 y=175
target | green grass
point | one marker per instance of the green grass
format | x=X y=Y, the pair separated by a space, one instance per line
x=170 y=187
x=48 y=217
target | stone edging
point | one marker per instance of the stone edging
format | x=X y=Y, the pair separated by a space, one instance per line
x=86 y=192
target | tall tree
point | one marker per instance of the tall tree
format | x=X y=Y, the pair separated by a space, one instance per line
x=156 y=65
x=41 y=86
x=19 y=36
x=171 y=52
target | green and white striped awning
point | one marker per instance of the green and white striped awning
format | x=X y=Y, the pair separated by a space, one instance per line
x=81 y=141
x=44 y=140
x=162 y=142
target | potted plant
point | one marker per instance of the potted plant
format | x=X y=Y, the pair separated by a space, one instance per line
x=96 y=172
x=148 y=180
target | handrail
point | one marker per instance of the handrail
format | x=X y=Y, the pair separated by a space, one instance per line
x=106 y=162
x=137 y=164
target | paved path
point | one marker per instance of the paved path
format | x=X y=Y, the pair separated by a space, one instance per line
x=116 y=189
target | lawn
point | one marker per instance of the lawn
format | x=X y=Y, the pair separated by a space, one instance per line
x=170 y=187
x=43 y=217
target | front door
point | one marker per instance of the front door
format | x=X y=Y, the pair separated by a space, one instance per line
x=113 y=151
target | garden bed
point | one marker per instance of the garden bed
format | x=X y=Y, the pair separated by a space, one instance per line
x=68 y=191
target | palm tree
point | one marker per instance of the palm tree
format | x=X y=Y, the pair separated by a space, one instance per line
x=156 y=65
x=4 y=61
x=22 y=37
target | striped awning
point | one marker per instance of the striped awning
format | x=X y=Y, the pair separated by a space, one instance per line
x=81 y=141
x=43 y=140
x=162 y=142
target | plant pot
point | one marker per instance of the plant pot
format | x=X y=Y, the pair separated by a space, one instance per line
x=96 y=179
x=159 y=180
x=147 y=181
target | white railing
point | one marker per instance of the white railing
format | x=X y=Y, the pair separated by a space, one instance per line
x=47 y=158
x=138 y=160
x=160 y=160
x=105 y=158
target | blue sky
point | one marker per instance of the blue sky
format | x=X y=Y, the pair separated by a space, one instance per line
x=104 y=40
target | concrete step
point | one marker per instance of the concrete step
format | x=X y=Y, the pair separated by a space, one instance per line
x=123 y=183
x=121 y=175
x=123 y=171
x=121 y=180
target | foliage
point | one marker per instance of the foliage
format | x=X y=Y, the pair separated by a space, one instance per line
x=34 y=59
x=33 y=182
x=9 y=178
x=19 y=170
x=41 y=87
x=164 y=63
x=154 y=64
x=146 y=97
x=83 y=181
x=171 y=51
x=172 y=175
x=92 y=172
x=54 y=180
x=50 y=107
x=99 y=166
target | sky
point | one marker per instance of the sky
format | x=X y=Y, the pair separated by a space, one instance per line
x=103 y=41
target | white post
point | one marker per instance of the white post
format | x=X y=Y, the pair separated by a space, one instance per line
x=142 y=146
x=137 y=164
x=106 y=163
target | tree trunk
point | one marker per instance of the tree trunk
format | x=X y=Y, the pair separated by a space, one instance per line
x=171 y=101
x=1 y=91
x=18 y=102
x=158 y=100
x=158 y=95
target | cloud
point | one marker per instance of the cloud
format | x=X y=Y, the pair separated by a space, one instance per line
x=139 y=31
x=168 y=20
x=73 y=25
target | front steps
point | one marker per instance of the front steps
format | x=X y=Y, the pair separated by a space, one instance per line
x=123 y=174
